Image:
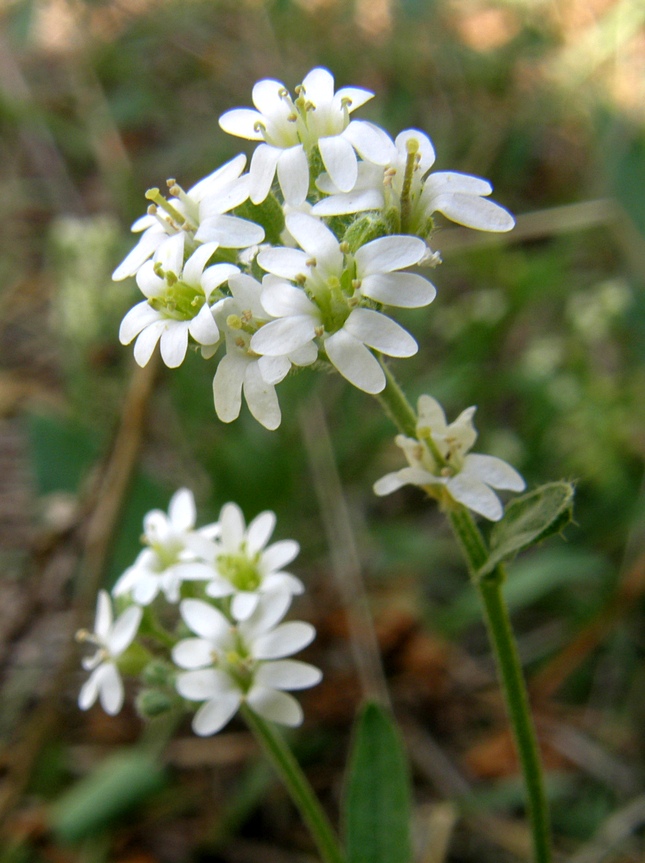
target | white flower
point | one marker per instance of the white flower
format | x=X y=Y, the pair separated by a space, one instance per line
x=176 y=553
x=245 y=567
x=439 y=459
x=198 y=214
x=231 y=664
x=405 y=185
x=111 y=640
x=290 y=130
x=331 y=305
x=178 y=303
x=242 y=370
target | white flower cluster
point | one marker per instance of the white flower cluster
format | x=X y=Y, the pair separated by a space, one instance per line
x=300 y=259
x=228 y=592
x=439 y=461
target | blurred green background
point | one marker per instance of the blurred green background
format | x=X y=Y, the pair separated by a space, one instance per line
x=543 y=329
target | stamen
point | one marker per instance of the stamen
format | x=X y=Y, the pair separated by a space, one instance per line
x=311 y=262
x=156 y=196
x=412 y=147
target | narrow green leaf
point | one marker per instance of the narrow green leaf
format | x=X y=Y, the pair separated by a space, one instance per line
x=528 y=520
x=118 y=785
x=377 y=795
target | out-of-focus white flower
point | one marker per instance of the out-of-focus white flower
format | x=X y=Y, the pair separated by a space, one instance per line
x=178 y=304
x=245 y=567
x=330 y=306
x=245 y=662
x=439 y=458
x=290 y=129
x=176 y=552
x=199 y=214
x=242 y=370
x=404 y=185
x=111 y=640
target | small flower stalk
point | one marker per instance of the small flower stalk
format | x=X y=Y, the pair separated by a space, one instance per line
x=222 y=585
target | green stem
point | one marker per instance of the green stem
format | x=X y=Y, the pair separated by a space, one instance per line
x=396 y=405
x=509 y=668
x=298 y=786
x=510 y=673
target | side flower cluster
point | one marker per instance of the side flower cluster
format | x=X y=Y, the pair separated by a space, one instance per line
x=201 y=616
x=301 y=259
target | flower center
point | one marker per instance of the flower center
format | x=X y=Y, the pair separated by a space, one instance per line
x=180 y=301
x=240 y=570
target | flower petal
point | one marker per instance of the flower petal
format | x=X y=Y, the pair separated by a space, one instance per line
x=355 y=362
x=262 y=171
x=242 y=123
x=281 y=337
x=147 y=341
x=227 y=387
x=259 y=531
x=174 y=343
x=110 y=688
x=381 y=333
x=230 y=232
x=475 y=495
x=493 y=471
x=404 y=290
x=285 y=639
x=279 y=554
x=193 y=653
x=213 y=715
x=275 y=706
x=371 y=142
x=124 y=630
x=204 y=620
x=293 y=175
x=389 y=253
x=244 y=604
x=137 y=319
x=339 y=159
x=288 y=674
x=261 y=398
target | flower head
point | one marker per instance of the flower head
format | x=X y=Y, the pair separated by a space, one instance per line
x=405 y=187
x=198 y=214
x=176 y=552
x=333 y=303
x=179 y=299
x=439 y=460
x=245 y=567
x=230 y=664
x=111 y=639
x=290 y=129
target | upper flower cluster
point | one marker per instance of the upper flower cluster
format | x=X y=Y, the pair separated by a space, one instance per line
x=302 y=258
x=231 y=590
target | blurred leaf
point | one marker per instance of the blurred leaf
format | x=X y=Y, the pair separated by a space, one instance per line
x=61 y=452
x=118 y=785
x=377 y=796
x=529 y=519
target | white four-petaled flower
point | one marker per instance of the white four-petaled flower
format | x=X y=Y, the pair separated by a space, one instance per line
x=230 y=664
x=335 y=305
x=406 y=186
x=245 y=567
x=290 y=129
x=439 y=457
x=111 y=639
x=176 y=552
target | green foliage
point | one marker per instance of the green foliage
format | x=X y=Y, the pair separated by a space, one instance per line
x=528 y=520
x=377 y=793
x=120 y=784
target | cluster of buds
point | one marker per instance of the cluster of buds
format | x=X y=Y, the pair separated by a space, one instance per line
x=201 y=621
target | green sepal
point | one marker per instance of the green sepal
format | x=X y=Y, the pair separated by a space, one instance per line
x=268 y=214
x=365 y=229
x=377 y=803
x=529 y=519
x=154 y=702
x=133 y=660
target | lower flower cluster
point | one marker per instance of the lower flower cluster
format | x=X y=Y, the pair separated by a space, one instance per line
x=202 y=619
